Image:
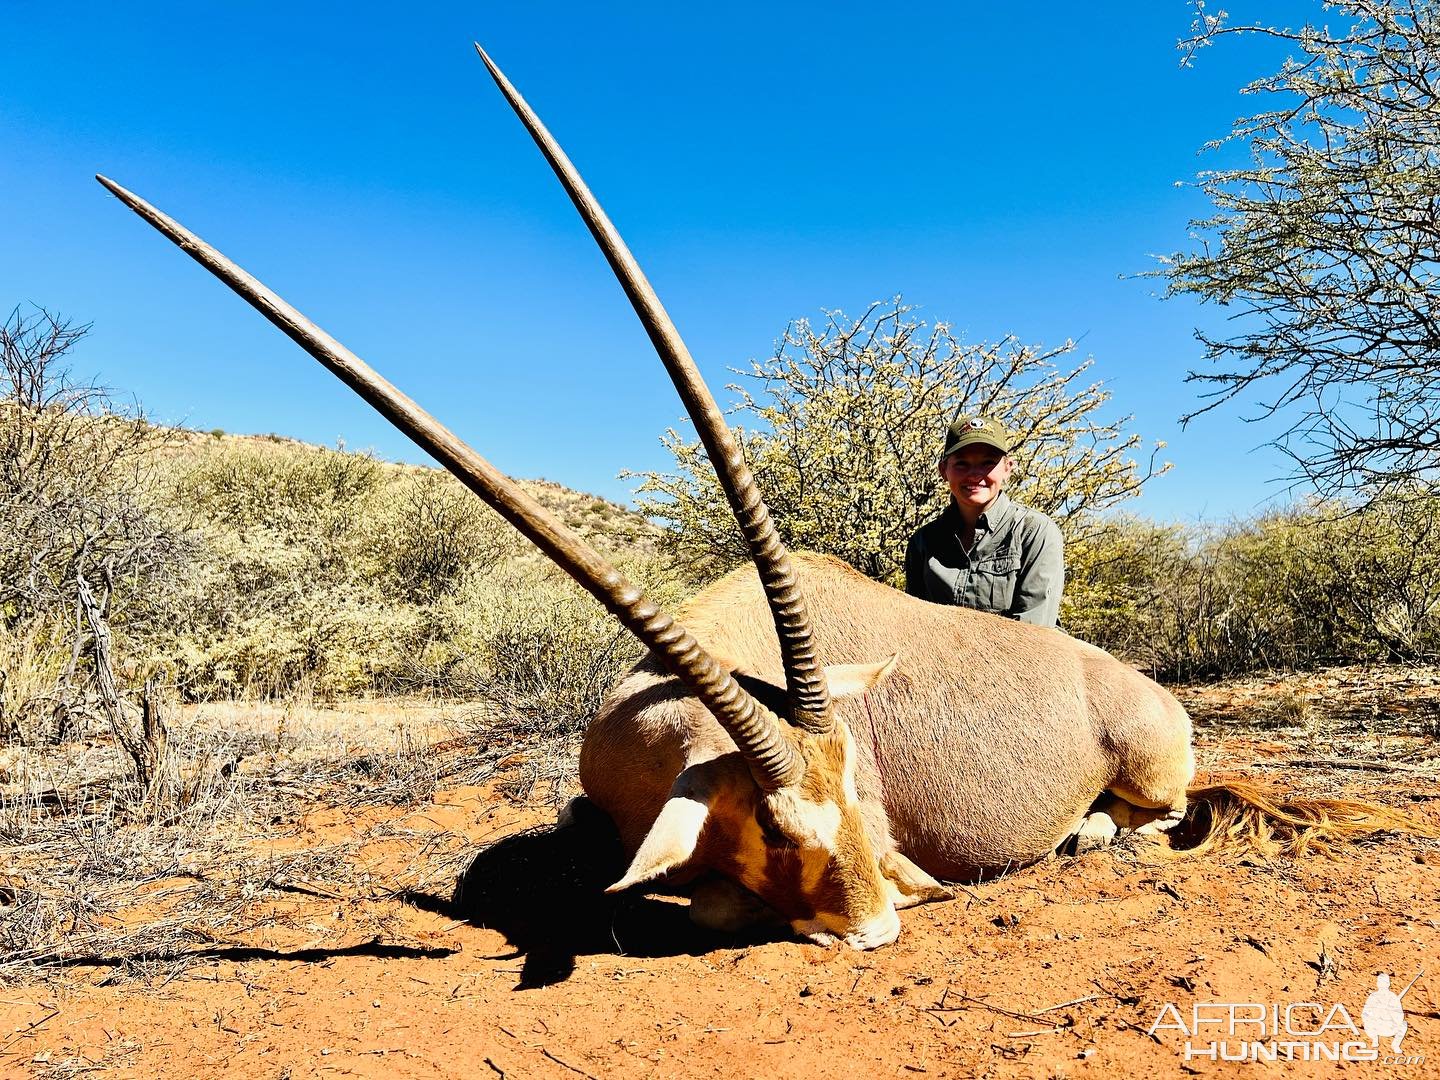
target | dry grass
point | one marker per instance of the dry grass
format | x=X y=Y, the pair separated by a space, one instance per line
x=1367 y=702
x=98 y=883
x=1317 y=732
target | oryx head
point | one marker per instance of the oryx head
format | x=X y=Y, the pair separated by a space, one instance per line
x=780 y=815
x=795 y=836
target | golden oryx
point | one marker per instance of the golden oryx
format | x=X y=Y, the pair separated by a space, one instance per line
x=945 y=743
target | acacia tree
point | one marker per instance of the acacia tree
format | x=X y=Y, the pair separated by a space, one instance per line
x=73 y=524
x=844 y=424
x=1326 y=247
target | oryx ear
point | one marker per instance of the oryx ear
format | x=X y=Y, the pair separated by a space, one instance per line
x=850 y=680
x=717 y=786
x=914 y=885
x=669 y=843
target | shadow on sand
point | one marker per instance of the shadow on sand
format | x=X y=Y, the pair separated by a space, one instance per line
x=545 y=891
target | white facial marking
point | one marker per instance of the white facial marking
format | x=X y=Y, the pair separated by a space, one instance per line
x=813 y=827
x=847 y=779
x=811 y=824
x=826 y=929
x=824 y=822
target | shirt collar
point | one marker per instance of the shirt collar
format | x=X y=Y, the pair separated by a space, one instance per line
x=998 y=512
x=994 y=518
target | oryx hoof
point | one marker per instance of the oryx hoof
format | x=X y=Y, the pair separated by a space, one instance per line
x=1097 y=831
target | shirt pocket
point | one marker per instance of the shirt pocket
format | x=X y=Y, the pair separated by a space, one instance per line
x=995 y=580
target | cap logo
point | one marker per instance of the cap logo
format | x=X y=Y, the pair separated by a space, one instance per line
x=976 y=425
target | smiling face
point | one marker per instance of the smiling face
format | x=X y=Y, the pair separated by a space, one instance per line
x=976 y=474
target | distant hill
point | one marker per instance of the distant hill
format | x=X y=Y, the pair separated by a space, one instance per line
x=602 y=522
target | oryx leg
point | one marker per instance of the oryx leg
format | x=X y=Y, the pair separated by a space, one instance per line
x=1112 y=816
x=1124 y=813
x=1148 y=798
x=1156 y=765
x=1093 y=830
x=1138 y=819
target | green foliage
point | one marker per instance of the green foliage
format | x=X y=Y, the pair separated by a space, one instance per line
x=280 y=592
x=553 y=651
x=294 y=493
x=527 y=640
x=330 y=573
x=843 y=433
x=244 y=567
x=1324 y=247
x=1300 y=588
x=437 y=534
x=1113 y=580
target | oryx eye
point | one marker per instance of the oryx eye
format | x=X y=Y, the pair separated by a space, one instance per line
x=770 y=830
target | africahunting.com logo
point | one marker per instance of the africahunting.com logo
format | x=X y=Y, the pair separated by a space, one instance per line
x=1297 y=1031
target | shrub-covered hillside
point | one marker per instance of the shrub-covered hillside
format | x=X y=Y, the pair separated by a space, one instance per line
x=330 y=568
x=270 y=566
x=255 y=566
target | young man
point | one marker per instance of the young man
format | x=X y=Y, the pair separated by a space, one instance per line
x=985 y=551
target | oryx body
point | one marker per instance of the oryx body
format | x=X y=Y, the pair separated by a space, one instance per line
x=984 y=749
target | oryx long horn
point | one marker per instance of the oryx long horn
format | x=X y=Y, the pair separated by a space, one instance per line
x=757 y=732
x=807 y=690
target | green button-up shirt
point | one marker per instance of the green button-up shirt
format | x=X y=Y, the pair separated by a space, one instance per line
x=1015 y=567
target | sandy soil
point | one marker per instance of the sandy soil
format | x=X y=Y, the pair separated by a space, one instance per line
x=1057 y=970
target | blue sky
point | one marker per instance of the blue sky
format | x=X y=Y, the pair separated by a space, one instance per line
x=1008 y=168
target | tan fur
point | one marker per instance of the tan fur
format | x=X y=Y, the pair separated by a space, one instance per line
x=1243 y=817
x=981 y=751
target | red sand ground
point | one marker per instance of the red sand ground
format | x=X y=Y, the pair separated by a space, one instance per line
x=1054 y=971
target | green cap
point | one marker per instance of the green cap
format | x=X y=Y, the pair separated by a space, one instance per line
x=968 y=430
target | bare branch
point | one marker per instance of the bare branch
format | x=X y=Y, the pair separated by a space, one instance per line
x=1325 y=250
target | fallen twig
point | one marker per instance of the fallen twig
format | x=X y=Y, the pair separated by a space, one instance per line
x=1077 y=1001
x=566 y=1064
x=26 y=1032
x=966 y=999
